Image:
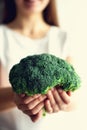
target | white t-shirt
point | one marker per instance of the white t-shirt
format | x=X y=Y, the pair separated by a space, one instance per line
x=13 y=47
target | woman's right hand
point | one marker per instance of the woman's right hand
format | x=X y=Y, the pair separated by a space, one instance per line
x=30 y=105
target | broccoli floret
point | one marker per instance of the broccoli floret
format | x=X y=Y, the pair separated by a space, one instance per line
x=39 y=73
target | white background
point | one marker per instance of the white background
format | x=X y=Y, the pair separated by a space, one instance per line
x=73 y=18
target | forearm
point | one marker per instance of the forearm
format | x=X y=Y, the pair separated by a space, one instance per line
x=6 y=99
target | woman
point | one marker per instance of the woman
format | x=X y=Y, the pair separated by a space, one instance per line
x=30 y=27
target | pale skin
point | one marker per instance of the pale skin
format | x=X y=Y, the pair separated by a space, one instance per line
x=56 y=99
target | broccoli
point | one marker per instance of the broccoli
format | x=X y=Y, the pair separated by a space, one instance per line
x=39 y=73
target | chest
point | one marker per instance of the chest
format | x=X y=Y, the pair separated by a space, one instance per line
x=17 y=48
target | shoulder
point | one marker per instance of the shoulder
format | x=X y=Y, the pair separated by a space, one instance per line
x=2 y=44
x=1 y=33
x=2 y=36
x=4 y=33
x=61 y=33
x=58 y=29
x=57 y=40
x=1 y=29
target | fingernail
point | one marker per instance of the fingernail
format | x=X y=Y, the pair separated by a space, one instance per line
x=22 y=95
x=36 y=95
x=60 y=90
x=44 y=96
x=53 y=89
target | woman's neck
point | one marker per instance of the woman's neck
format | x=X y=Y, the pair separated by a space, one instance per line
x=32 y=24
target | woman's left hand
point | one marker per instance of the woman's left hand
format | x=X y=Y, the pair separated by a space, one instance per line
x=30 y=105
x=58 y=100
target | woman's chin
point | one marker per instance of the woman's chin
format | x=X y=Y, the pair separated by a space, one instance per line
x=32 y=3
x=31 y=11
x=33 y=6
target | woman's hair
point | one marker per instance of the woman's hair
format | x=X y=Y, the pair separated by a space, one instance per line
x=50 y=13
x=9 y=11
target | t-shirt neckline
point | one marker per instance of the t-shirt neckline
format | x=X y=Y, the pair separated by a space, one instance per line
x=26 y=37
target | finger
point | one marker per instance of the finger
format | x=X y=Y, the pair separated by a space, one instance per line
x=25 y=107
x=17 y=99
x=35 y=102
x=69 y=93
x=57 y=97
x=22 y=107
x=52 y=101
x=64 y=96
x=48 y=106
x=21 y=95
x=34 y=111
x=29 y=99
x=36 y=117
x=37 y=108
x=27 y=112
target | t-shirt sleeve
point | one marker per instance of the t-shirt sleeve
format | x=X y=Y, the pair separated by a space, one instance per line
x=2 y=48
x=67 y=47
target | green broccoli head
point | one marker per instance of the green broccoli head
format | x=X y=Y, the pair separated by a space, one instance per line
x=39 y=73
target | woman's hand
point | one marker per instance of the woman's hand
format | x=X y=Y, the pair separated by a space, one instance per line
x=58 y=100
x=30 y=105
x=54 y=101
